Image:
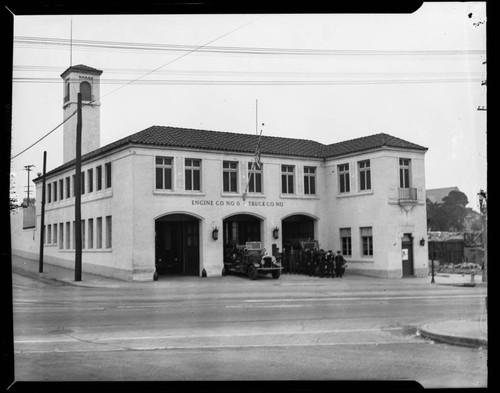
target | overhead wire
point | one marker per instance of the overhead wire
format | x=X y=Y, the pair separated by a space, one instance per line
x=137 y=79
x=45 y=42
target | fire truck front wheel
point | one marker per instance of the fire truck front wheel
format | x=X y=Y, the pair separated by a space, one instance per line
x=252 y=272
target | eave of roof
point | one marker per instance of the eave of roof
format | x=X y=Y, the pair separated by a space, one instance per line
x=196 y=139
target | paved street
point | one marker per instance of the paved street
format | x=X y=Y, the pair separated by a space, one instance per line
x=231 y=328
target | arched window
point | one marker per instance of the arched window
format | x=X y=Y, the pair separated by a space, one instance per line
x=66 y=95
x=85 y=90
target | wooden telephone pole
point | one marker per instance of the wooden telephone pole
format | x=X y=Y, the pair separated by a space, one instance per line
x=42 y=219
x=78 y=193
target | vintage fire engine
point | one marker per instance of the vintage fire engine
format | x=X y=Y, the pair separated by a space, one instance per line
x=251 y=259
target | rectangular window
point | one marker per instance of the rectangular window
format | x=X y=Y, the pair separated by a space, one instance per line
x=404 y=172
x=346 y=241
x=229 y=176
x=107 y=168
x=73 y=177
x=54 y=235
x=98 y=171
x=61 y=236
x=310 y=180
x=91 y=233
x=55 y=191
x=365 y=182
x=366 y=241
x=68 y=187
x=287 y=175
x=109 y=232
x=90 y=176
x=192 y=172
x=61 y=189
x=344 y=182
x=163 y=173
x=98 y=232
x=255 y=178
x=49 y=234
x=49 y=192
x=74 y=235
x=68 y=235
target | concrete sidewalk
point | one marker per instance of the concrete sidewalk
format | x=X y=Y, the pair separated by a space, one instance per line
x=458 y=332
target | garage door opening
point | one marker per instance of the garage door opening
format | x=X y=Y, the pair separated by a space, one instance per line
x=177 y=245
x=239 y=229
x=296 y=228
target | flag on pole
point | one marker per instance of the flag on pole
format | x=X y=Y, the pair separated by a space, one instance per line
x=255 y=164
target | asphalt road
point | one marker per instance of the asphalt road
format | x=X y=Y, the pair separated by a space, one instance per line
x=235 y=329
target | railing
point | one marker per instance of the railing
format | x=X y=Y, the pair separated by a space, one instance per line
x=407 y=194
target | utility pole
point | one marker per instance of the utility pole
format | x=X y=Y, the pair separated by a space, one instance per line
x=28 y=168
x=483 y=208
x=42 y=219
x=78 y=193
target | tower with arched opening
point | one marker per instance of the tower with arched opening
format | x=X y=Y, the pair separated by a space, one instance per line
x=85 y=80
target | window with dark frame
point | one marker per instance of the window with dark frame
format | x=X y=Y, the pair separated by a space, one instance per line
x=287 y=178
x=107 y=169
x=344 y=183
x=310 y=180
x=192 y=170
x=61 y=189
x=98 y=173
x=163 y=173
x=366 y=241
x=404 y=172
x=346 y=241
x=365 y=182
x=68 y=187
x=49 y=192
x=55 y=191
x=255 y=178
x=90 y=175
x=230 y=176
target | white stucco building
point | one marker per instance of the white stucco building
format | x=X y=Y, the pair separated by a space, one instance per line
x=161 y=192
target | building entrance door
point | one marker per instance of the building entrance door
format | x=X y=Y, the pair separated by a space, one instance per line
x=407 y=255
x=177 y=245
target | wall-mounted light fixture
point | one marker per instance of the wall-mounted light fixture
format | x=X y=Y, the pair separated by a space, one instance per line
x=276 y=232
x=422 y=242
x=215 y=233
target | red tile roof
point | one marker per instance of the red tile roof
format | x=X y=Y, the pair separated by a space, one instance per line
x=188 y=138
x=82 y=67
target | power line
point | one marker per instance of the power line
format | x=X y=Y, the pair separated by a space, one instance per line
x=137 y=79
x=277 y=74
x=188 y=82
x=46 y=43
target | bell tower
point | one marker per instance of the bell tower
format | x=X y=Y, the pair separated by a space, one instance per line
x=85 y=80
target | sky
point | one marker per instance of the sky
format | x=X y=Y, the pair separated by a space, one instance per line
x=325 y=77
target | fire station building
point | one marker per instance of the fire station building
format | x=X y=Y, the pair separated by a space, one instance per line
x=182 y=195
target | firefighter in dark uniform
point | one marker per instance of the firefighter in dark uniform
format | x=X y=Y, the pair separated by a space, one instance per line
x=329 y=264
x=321 y=263
x=339 y=265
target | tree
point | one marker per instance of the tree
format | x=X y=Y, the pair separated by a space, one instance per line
x=13 y=199
x=454 y=209
x=449 y=215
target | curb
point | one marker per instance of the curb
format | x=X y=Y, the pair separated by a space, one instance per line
x=453 y=339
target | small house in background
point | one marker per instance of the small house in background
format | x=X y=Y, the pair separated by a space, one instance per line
x=456 y=247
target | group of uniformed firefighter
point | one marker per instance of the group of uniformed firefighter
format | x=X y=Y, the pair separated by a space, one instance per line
x=312 y=262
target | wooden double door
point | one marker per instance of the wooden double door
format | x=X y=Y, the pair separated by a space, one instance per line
x=178 y=245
